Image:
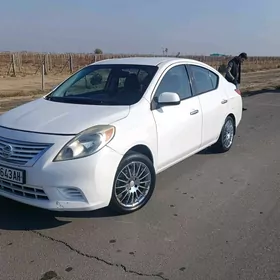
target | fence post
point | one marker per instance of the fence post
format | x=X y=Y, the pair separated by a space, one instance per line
x=43 y=76
x=71 y=64
x=19 y=57
x=46 y=64
x=14 y=65
x=50 y=62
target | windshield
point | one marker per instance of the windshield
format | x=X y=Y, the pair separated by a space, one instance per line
x=115 y=84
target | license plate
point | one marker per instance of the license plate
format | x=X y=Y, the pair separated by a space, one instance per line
x=12 y=175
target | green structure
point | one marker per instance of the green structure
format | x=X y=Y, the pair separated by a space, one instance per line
x=217 y=55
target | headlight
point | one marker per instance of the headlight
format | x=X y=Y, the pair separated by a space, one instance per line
x=87 y=142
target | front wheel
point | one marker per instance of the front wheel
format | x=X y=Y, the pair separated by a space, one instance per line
x=226 y=137
x=134 y=183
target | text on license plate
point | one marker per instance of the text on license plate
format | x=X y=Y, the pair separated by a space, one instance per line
x=13 y=175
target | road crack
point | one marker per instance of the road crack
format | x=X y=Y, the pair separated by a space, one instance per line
x=123 y=267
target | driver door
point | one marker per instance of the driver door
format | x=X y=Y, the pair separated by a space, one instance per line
x=179 y=127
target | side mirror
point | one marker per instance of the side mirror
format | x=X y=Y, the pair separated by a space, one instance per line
x=168 y=99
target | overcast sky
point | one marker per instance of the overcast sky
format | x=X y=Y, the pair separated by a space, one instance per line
x=130 y=26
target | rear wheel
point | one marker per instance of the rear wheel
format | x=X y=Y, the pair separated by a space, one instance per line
x=134 y=183
x=226 y=137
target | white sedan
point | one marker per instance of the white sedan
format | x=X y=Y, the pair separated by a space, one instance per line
x=101 y=136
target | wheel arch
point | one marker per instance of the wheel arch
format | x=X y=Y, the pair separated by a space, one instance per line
x=142 y=149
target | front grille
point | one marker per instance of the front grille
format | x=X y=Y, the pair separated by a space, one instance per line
x=22 y=190
x=20 y=152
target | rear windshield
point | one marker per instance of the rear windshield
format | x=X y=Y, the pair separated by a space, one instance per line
x=115 y=84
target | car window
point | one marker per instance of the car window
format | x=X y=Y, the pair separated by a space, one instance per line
x=175 y=80
x=85 y=84
x=205 y=80
x=214 y=79
x=143 y=78
x=116 y=84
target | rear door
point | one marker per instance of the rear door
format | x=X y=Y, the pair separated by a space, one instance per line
x=213 y=101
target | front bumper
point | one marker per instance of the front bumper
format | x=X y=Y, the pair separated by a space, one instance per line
x=75 y=185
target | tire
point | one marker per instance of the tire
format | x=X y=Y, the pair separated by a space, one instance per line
x=134 y=183
x=226 y=138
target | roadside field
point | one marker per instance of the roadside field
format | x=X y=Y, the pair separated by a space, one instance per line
x=18 y=90
x=24 y=64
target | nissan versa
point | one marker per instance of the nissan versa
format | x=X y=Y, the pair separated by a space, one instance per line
x=101 y=136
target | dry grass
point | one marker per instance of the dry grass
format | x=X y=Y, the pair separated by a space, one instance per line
x=261 y=80
x=29 y=85
x=15 y=91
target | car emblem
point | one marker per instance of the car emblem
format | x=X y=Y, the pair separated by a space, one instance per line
x=7 y=151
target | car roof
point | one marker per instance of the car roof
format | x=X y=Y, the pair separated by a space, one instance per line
x=152 y=61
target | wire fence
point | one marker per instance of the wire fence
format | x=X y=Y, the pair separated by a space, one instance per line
x=26 y=63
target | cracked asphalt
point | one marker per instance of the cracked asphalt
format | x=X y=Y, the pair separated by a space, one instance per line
x=213 y=216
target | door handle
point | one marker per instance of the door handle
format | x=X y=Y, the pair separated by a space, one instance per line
x=224 y=101
x=194 y=112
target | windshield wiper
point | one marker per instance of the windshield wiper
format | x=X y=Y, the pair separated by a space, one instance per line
x=101 y=102
x=78 y=100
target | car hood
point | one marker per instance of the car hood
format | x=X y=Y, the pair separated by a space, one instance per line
x=60 y=118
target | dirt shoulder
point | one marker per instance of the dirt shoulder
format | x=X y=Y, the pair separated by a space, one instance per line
x=19 y=86
x=260 y=80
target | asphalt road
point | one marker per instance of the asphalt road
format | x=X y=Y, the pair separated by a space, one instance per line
x=212 y=216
